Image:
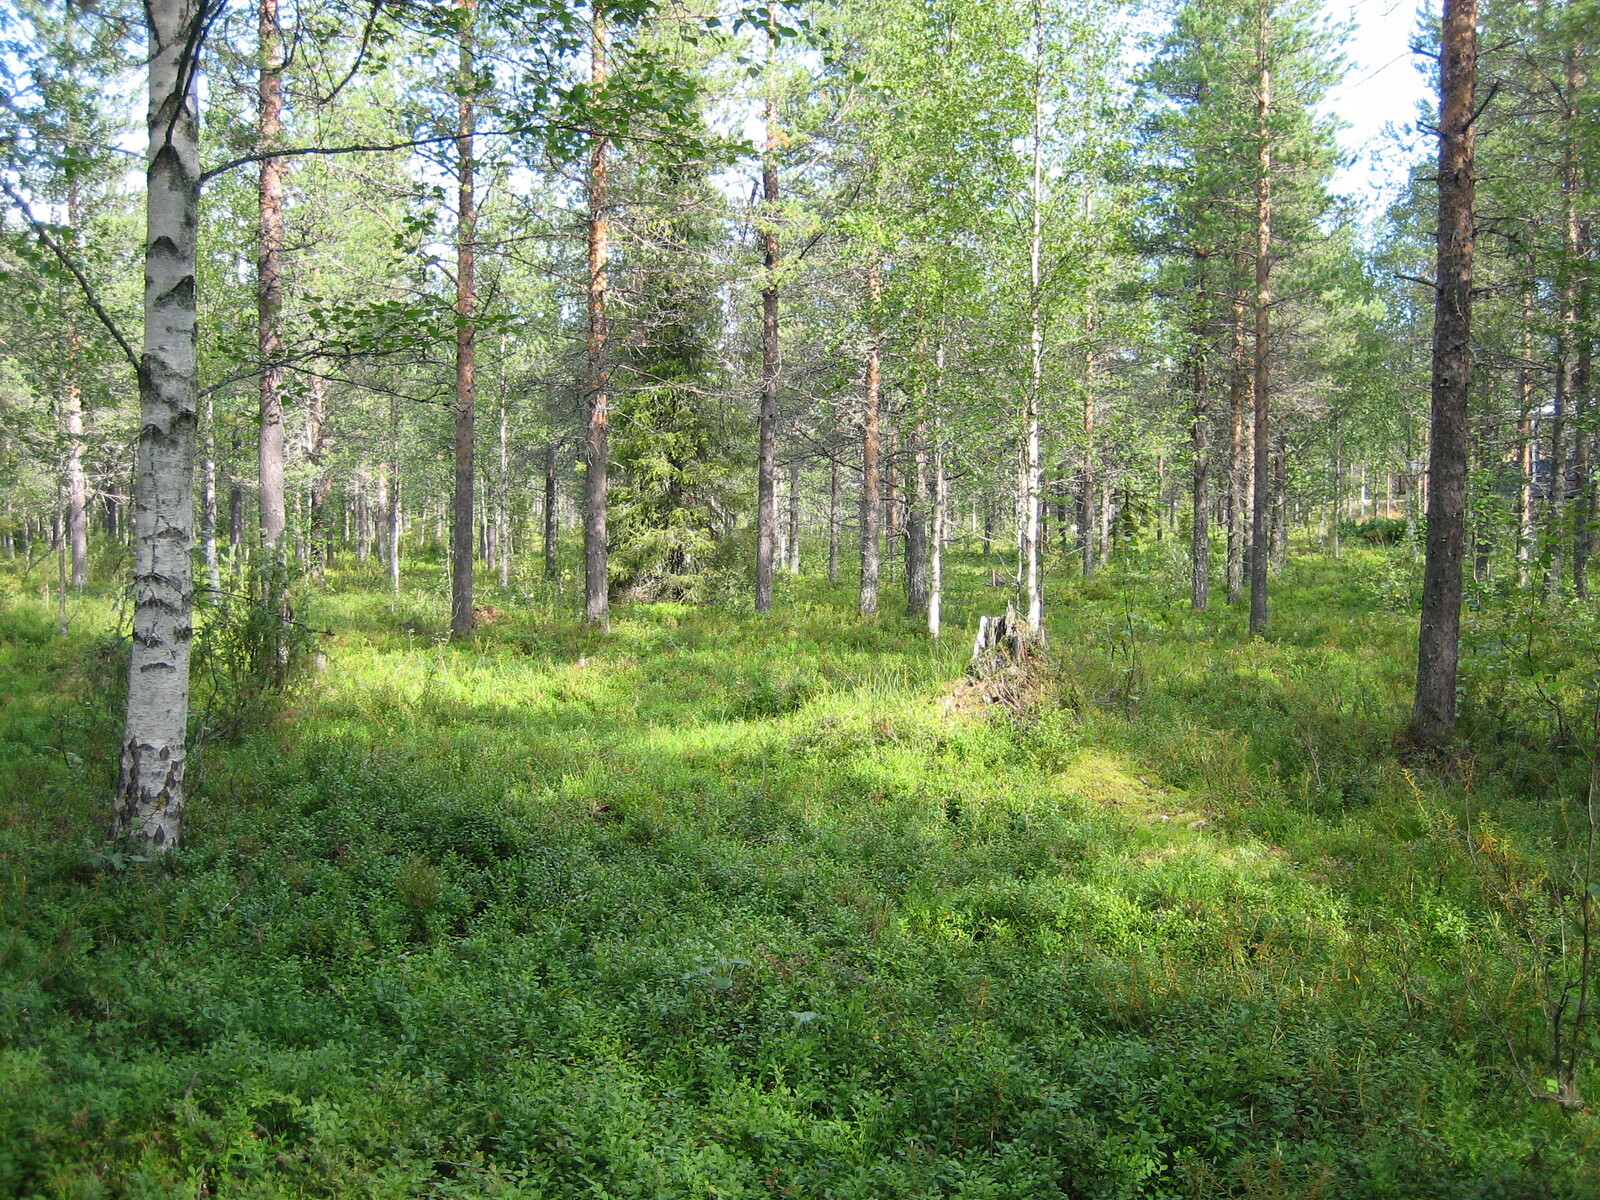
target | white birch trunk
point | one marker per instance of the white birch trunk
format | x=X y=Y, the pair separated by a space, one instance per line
x=941 y=502
x=1032 y=457
x=150 y=787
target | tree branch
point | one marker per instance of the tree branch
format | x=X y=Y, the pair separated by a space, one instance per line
x=55 y=248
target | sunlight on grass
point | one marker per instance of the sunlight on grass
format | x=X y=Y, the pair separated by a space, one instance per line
x=721 y=905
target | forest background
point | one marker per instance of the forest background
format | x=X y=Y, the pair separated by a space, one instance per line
x=561 y=455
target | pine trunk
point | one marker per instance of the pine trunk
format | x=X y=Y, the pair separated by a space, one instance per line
x=1262 y=492
x=1200 y=479
x=1438 y=643
x=1575 y=334
x=550 y=528
x=1238 y=389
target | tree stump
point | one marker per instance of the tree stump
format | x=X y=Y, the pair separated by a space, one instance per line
x=1003 y=641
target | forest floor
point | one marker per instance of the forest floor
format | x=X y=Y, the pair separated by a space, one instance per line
x=717 y=906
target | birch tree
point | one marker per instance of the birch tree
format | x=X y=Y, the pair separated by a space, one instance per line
x=150 y=788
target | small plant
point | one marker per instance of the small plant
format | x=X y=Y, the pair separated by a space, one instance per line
x=1543 y=927
x=417 y=886
x=110 y=857
x=245 y=654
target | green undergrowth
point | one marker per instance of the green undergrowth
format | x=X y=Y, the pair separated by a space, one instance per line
x=715 y=906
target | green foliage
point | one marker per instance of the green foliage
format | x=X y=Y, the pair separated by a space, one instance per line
x=244 y=655
x=720 y=905
x=671 y=444
x=1379 y=531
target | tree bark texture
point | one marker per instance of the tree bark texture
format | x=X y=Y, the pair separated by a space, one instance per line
x=597 y=602
x=1259 y=515
x=269 y=280
x=1200 y=479
x=1033 y=583
x=767 y=451
x=871 y=507
x=394 y=522
x=1238 y=392
x=1574 y=323
x=461 y=514
x=834 y=519
x=150 y=787
x=1433 y=714
x=941 y=505
x=550 y=568
x=320 y=537
x=917 y=517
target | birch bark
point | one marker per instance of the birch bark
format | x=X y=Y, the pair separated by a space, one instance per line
x=597 y=603
x=148 y=809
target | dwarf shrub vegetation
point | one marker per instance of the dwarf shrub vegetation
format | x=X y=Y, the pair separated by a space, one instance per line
x=723 y=907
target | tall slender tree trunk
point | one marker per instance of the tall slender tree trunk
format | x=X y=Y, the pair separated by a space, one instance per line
x=269 y=291
x=834 y=519
x=380 y=518
x=1086 y=477
x=871 y=507
x=462 y=505
x=362 y=519
x=60 y=534
x=1263 y=299
x=893 y=508
x=503 y=483
x=394 y=523
x=941 y=502
x=1433 y=714
x=208 y=498
x=1575 y=332
x=1107 y=518
x=1200 y=437
x=1525 y=443
x=891 y=500
x=319 y=535
x=767 y=452
x=1238 y=392
x=550 y=514
x=1279 y=556
x=1033 y=583
x=597 y=602
x=1338 y=488
x=917 y=518
x=236 y=540
x=148 y=809
x=77 y=485
x=793 y=563
x=1556 y=509
x=1583 y=509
